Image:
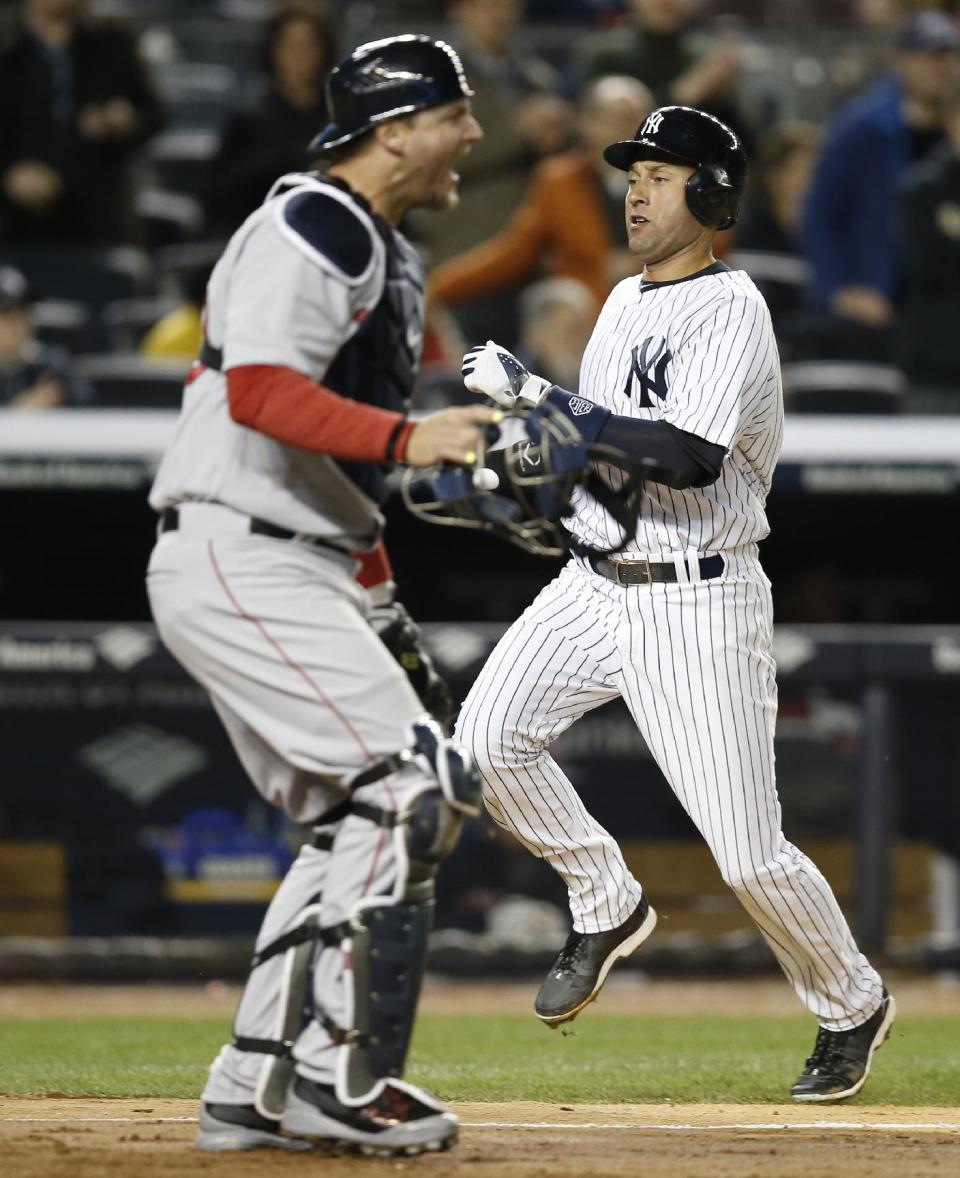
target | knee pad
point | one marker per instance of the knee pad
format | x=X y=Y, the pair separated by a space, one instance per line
x=440 y=758
x=448 y=762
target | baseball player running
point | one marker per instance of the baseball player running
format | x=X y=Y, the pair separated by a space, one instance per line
x=269 y=488
x=681 y=370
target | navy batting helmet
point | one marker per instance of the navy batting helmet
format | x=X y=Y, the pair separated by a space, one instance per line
x=385 y=79
x=684 y=135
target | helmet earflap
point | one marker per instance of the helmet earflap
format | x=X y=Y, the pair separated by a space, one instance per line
x=711 y=197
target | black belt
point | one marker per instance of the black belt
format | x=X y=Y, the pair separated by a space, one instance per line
x=170 y=522
x=645 y=572
x=211 y=357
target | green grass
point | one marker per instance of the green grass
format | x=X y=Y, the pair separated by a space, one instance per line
x=605 y=1059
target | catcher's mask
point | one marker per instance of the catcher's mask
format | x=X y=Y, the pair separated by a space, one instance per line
x=527 y=502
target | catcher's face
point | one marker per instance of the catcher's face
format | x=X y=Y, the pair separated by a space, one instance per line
x=659 y=224
x=436 y=139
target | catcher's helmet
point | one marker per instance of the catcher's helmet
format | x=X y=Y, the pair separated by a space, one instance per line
x=684 y=135
x=388 y=78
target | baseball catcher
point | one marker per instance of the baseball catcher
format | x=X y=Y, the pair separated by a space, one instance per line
x=268 y=498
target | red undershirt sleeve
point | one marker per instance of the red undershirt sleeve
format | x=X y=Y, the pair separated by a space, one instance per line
x=375 y=567
x=291 y=408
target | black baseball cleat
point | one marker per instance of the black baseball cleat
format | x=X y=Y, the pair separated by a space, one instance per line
x=226 y=1127
x=840 y=1062
x=583 y=963
x=401 y=1119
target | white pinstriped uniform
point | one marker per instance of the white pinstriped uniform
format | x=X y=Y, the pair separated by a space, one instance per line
x=691 y=659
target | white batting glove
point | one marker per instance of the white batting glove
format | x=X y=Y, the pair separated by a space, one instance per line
x=494 y=372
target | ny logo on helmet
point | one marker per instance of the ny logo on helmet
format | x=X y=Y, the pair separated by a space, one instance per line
x=377 y=76
x=652 y=125
x=644 y=360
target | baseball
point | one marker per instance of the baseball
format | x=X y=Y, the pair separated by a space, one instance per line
x=486 y=479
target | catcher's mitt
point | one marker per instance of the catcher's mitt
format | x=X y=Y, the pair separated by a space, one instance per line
x=400 y=634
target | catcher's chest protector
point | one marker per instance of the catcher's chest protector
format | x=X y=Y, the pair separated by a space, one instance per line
x=378 y=364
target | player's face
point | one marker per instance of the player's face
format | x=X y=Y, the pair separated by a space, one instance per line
x=438 y=137
x=659 y=224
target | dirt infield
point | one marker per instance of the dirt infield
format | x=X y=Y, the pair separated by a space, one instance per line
x=56 y=1137
x=48 y=1137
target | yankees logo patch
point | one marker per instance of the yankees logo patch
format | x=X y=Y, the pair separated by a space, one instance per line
x=652 y=125
x=648 y=363
x=579 y=407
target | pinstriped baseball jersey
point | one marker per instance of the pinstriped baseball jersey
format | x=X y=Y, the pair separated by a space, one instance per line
x=700 y=354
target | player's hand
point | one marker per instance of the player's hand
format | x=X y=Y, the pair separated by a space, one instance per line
x=494 y=372
x=450 y=435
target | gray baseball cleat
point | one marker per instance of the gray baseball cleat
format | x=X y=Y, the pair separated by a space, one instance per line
x=226 y=1127
x=400 y=1119
x=840 y=1063
x=581 y=968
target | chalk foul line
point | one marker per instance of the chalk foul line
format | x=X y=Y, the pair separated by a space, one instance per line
x=546 y=1126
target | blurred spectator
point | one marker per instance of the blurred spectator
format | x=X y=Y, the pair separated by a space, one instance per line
x=523 y=117
x=849 y=226
x=662 y=46
x=570 y=222
x=778 y=187
x=930 y=237
x=556 y=318
x=770 y=226
x=860 y=62
x=75 y=106
x=32 y=375
x=179 y=334
x=269 y=135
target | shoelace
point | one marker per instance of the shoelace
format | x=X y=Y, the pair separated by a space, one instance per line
x=570 y=953
x=828 y=1050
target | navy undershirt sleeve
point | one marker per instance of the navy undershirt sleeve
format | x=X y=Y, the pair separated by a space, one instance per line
x=682 y=459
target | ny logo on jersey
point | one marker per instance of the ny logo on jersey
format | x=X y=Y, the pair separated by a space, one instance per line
x=649 y=366
x=652 y=125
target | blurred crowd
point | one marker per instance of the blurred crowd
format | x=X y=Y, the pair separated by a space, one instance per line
x=136 y=135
